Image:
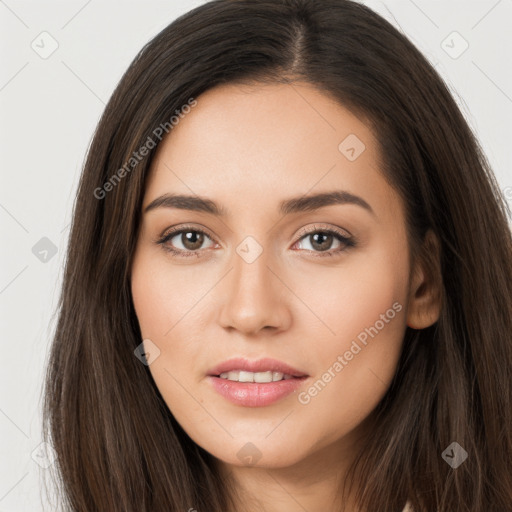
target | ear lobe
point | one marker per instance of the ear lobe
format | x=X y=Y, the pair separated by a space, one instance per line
x=425 y=291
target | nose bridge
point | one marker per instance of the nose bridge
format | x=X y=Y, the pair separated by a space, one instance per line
x=253 y=298
x=251 y=267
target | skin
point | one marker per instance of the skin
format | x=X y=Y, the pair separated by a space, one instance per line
x=248 y=148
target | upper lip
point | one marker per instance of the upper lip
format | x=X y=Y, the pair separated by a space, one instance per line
x=261 y=365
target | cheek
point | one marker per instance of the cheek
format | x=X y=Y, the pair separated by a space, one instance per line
x=163 y=296
x=355 y=370
x=354 y=364
x=351 y=297
x=168 y=309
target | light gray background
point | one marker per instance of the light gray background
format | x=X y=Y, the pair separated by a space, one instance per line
x=50 y=107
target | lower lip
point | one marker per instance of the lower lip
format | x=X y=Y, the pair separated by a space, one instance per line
x=255 y=394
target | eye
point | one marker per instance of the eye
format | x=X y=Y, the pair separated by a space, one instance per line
x=191 y=239
x=321 y=239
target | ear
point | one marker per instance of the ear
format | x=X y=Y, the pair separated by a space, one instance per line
x=426 y=285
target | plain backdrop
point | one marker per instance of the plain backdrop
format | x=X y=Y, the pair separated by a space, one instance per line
x=50 y=104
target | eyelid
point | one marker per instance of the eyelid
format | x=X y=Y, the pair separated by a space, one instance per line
x=323 y=227
x=184 y=227
x=170 y=233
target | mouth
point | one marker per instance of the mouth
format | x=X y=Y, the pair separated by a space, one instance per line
x=255 y=383
x=258 y=377
x=267 y=369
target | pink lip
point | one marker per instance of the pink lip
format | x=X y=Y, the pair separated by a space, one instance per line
x=261 y=365
x=255 y=394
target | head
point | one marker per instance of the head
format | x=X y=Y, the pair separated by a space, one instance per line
x=400 y=265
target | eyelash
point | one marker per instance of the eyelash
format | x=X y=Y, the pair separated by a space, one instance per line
x=348 y=242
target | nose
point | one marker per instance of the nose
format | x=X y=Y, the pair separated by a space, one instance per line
x=253 y=297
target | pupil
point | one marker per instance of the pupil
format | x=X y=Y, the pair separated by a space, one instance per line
x=193 y=240
x=321 y=246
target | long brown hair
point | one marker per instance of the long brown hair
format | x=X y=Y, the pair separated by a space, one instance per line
x=118 y=446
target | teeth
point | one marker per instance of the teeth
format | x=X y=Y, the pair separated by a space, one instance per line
x=243 y=376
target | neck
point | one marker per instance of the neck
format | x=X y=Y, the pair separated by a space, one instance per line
x=314 y=482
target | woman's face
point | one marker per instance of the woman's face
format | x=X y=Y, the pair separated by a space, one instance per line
x=319 y=285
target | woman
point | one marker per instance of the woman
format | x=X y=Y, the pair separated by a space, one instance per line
x=288 y=284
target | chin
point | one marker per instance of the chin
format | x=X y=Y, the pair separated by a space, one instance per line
x=260 y=454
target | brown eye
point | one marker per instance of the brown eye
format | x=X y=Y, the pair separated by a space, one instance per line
x=184 y=242
x=322 y=240
x=192 y=240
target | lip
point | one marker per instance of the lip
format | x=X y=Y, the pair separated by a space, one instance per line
x=261 y=365
x=255 y=394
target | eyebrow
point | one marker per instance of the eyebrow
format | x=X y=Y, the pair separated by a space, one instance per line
x=286 y=207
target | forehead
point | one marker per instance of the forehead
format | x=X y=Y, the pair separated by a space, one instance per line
x=253 y=146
